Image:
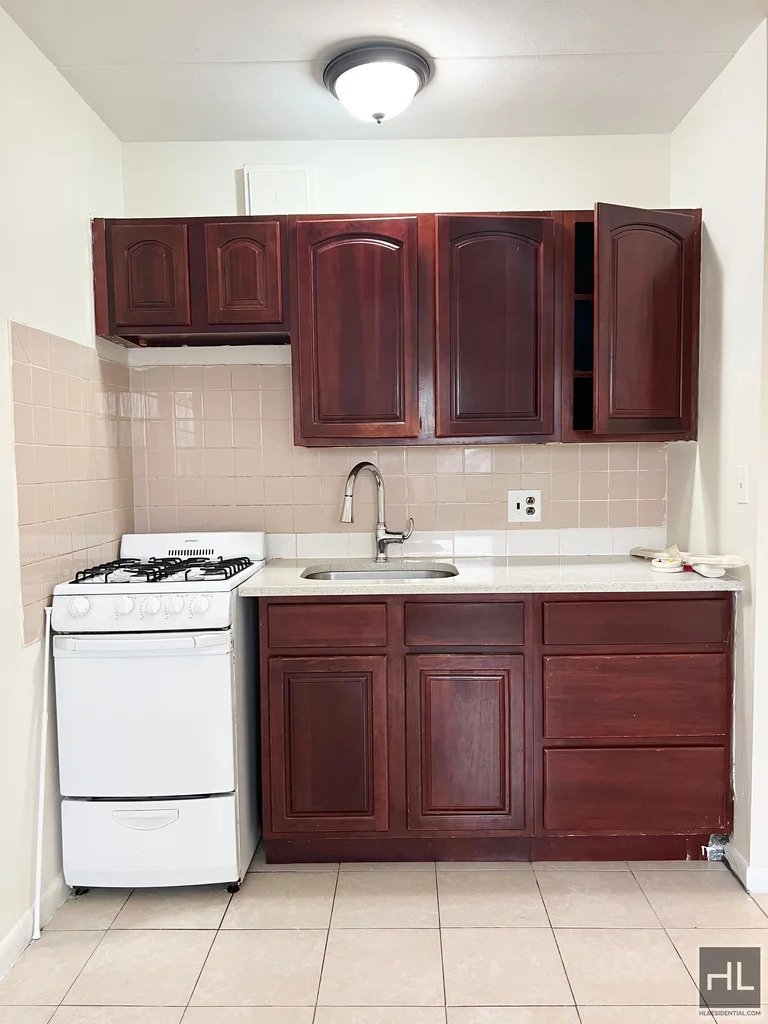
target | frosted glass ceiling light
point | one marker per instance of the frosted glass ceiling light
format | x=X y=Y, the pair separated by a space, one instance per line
x=376 y=82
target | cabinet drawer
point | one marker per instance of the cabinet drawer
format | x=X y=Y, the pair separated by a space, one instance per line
x=613 y=696
x=651 y=621
x=327 y=625
x=465 y=623
x=648 y=789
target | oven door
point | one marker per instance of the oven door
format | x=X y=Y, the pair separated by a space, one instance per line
x=145 y=714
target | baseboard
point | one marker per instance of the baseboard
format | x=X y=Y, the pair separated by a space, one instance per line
x=754 y=877
x=18 y=938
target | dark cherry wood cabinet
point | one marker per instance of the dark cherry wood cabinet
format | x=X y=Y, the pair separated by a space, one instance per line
x=327 y=742
x=465 y=741
x=150 y=274
x=472 y=727
x=495 y=326
x=194 y=280
x=630 y=307
x=355 y=368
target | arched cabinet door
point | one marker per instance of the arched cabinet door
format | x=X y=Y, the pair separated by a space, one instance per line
x=150 y=274
x=495 y=326
x=647 y=321
x=243 y=262
x=357 y=288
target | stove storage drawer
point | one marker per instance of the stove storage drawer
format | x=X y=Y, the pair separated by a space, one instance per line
x=149 y=843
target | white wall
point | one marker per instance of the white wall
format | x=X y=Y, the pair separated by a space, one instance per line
x=718 y=162
x=205 y=178
x=60 y=166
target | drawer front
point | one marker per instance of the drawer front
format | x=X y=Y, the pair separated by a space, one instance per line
x=465 y=623
x=637 y=621
x=327 y=626
x=637 y=789
x=613 y=696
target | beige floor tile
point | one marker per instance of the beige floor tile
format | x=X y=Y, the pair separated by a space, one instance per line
x=512 y=1015
x=382 y=967
x=142 y=968
x=380 y=1015
x=259 y=864
x=503 y=967
x=283 y=901
x=26 y=1014
x=46 y=969
x=484 y=865
x=677 y=865
x=761 y=899
x=643 y=1015
x=580 y=865
x=249 y=1015
x=688 y=940
x=262 y=968
x=595 y=899
x=94 y=910
x=490 y=899
x=624 y=967
x=425 y=866
x=385 y=899
x=199 y=906
x=700 y=899
x=118 y=1015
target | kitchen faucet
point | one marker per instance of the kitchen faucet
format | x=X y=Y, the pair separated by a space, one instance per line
x=383 y=535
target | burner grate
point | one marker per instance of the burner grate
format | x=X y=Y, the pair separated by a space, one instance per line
x=155 y=570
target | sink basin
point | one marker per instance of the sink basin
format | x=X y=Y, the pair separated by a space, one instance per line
x=367 y=569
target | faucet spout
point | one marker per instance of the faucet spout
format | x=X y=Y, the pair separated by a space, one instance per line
x=383 y=535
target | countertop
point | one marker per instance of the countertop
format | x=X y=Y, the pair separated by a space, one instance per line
x=564 y=574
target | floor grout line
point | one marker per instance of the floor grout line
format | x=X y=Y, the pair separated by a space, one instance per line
x=440 y=940
x=207 y=955
x=557 y=945
x=327 y=940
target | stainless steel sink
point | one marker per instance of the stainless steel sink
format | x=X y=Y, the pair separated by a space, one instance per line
x=367 y=569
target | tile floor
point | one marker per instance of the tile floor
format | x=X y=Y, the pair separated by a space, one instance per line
x=588 y=943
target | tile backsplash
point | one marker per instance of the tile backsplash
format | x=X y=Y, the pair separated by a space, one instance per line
x=72 y=433
x=213 y=450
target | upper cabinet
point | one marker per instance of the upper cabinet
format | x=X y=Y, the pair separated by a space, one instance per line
x=355 y=375
x=495 y=327
x=631 y=320
x=165 y=281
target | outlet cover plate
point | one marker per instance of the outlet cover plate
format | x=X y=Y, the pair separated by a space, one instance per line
x=524 y=506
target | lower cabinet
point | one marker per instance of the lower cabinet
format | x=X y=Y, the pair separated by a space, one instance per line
x=495 y=727
x=328 y=744
x=465 y=741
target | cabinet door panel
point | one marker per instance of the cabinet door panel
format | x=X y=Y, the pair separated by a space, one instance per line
x=358 y=305
x=150 y=274
x=647 y=321
x=328 y=736
x=635 y=789
x=243 y=264
x=495 y=326
x=465 y=737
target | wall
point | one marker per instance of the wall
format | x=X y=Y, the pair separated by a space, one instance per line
x=213 y=450
x=60 y=167
x=205 y=179
x=719 y=163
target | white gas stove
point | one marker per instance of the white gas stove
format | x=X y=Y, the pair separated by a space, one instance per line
x=157 y=713
x=161 y=581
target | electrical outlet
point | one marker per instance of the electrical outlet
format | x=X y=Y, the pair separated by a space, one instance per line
x=524 y=506
x=742 y=486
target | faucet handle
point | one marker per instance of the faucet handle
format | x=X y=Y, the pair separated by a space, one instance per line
x=409 y=531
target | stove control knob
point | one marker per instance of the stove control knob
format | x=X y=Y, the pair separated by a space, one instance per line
x=150 y=606
x=78 y=606
x=199 y=604
x=174 y=605
x=125 y=605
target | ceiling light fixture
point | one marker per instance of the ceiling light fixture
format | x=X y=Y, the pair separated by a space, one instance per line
x=377 y=81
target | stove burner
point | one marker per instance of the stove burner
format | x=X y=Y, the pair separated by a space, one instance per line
x=155 y=570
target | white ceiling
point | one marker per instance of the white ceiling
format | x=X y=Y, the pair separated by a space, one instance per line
x=197 y=70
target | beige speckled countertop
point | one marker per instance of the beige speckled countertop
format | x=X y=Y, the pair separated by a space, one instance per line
x=565 y=574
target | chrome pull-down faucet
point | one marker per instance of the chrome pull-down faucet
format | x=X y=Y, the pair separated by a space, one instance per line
x=383 y=535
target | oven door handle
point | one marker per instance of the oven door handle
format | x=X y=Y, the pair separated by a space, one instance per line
x=139 y=644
